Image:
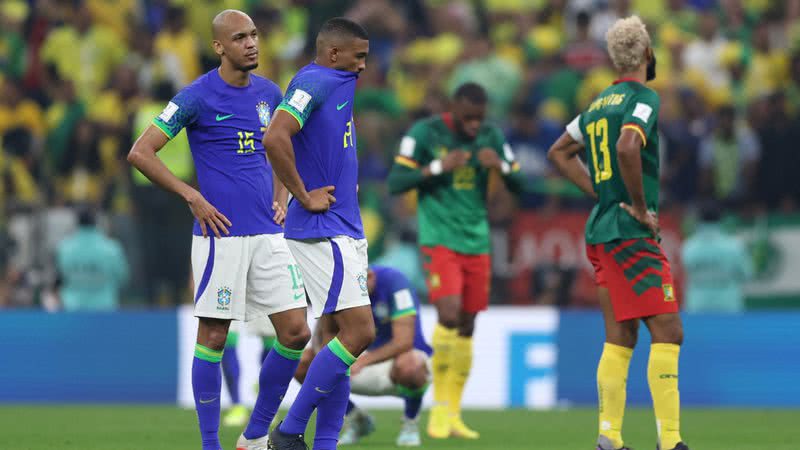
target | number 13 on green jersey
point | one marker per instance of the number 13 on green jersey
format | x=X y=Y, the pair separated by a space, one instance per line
x=627 y=104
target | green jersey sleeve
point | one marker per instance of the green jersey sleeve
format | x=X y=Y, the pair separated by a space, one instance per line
x=641 y=114
x=306 y=93
x=413 y=151
x=510 y=168
x=412 y=155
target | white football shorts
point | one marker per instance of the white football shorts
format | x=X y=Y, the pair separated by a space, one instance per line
x=334 y=272
x=245 y=277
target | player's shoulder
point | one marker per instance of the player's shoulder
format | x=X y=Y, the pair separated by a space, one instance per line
x=312 y=75
x=389 y=275
x=642 y=93
x=435 y=122
x=198 y=89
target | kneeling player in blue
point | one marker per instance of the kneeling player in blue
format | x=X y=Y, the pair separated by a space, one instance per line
x=397 y=363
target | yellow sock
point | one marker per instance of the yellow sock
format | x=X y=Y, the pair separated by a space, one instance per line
x=662 y=375
x=459 y=372
x=612 y=376
x=442 y=355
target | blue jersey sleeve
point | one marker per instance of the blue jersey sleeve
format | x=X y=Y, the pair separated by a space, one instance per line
x=179 y=113
x=402 y=303
x=305 y=94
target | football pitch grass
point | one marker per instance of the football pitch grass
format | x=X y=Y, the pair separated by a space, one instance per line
x=24 y=427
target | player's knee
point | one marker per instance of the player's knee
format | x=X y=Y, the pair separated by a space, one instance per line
x=367 y=335
x=666 y=329
x=212 y=334
x=466 y=325
x=448 y=309
x=624 y=334
x=356 y=340
x=670 y=334
x=409 y=370
x=295 y=337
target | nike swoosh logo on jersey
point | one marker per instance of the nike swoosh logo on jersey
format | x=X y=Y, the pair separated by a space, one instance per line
x=221 y=118
x=208 y=401
x=321 y=391
x=339 y=107
x=299 y=296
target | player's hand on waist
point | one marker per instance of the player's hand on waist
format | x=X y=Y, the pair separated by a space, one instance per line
x=455 y=159
x=489 y=158
x=320 y=199
x=208 y=216
x=644 y=216
x=280 y=212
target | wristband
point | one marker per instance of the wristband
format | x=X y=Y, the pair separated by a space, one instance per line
x=505 y=168
x=436 y=167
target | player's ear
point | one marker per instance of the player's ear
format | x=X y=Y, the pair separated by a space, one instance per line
x=333 y=54
x=218 y=48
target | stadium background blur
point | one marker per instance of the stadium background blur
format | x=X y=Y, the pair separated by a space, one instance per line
x=80 y=80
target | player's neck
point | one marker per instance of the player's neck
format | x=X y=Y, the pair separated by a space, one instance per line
x=637 y=75
x=234 y=77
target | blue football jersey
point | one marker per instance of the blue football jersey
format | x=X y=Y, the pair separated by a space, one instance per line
x=225 y=125
x=393 y=298
x=321 y=99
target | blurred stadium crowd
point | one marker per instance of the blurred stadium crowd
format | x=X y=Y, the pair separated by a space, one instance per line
x=81 y=79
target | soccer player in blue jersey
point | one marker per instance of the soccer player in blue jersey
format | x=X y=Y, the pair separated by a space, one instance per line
x=397 y=363
x=243 y=269
x=311 y=144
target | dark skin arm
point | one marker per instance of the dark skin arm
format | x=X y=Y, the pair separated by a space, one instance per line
x=280 y=151
x=279 y=199
x=143 y=156
x=402 y=341
x=564 y=156
x=629 y=158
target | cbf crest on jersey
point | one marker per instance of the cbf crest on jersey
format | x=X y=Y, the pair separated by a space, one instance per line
x=224 y=295
x=262 y=108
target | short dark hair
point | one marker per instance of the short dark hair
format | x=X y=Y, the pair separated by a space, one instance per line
x=343 y=27
x=473 y=92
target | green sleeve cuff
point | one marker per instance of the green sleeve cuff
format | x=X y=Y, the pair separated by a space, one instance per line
x=163 y=128
x=293 y=113
x=404 y=313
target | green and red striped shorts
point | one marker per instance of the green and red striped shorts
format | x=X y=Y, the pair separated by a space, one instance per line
x=637 y=275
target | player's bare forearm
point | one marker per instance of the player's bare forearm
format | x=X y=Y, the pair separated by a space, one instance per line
x=563 y=154
x=280 y=193
x=280 y=151
x=143 y=156
x=401 y=342
x=283 y=163
x=629 y=159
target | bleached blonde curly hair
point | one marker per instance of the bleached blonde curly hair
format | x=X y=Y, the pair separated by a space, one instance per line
x=627 y=41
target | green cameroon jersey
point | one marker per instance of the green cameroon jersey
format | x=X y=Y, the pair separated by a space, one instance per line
x=625 y=104
x=452 y=206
